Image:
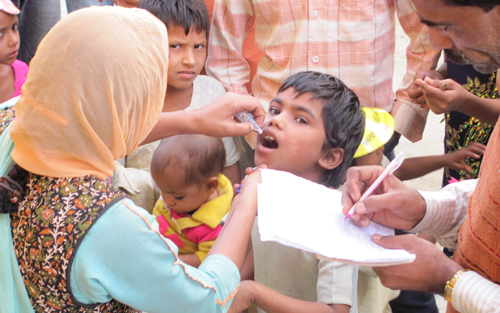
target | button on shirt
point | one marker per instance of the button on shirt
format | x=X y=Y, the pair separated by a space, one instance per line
x=353 y=40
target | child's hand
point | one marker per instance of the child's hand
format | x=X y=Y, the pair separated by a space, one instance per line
x=455 y=159
x=243 y=298
x=414 y=90
x=443 y=96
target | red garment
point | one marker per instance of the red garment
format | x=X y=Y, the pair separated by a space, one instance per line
x=20 y=72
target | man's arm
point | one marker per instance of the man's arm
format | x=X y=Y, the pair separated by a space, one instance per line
x=431 y=270
x=410 y=118
x=445 y=211
x=231 y=23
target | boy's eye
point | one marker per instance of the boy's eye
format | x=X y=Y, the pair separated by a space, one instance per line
x=274 y=111
x=179 y=198
x=15 y=26
x=197 y=47
x=301 y=120
x=174 y=46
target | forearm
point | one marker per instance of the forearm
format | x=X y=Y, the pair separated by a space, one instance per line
x=225 y=60
x=474 y=293
x=190 y=259
x=247 y=270
x=171 y=124
x=416 y=167
x=274 y=302
x=446 y=211
x=410 y=118
x=487 y=110
x=233 y=239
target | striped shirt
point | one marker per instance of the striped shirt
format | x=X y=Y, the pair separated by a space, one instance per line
x=446 y=211
x=353 y=40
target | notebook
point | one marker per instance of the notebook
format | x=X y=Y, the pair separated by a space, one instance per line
x=298 y=213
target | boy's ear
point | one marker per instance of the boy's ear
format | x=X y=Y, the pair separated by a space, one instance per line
x=331 y=158
x=212 y=184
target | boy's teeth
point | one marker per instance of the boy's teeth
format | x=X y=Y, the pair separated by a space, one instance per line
x=269 y=138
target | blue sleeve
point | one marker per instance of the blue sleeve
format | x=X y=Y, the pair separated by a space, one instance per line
x=123 y=257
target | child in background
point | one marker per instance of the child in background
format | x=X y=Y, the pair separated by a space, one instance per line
x=12 y=71
x=379 y=129
x=312 y=129
x=195 y=195
x=187 y=24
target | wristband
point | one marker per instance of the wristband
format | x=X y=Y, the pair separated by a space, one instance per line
x=451 y=283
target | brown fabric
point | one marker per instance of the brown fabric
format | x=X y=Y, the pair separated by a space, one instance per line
x=478 y=247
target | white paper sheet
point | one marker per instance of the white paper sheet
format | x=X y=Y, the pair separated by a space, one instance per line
x=299 y=213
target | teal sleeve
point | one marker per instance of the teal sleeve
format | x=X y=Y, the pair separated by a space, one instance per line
x=123 y=257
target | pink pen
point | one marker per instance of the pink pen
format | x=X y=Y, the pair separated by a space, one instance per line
x=394 y=165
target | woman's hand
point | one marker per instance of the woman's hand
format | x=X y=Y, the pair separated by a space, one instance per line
x=216 y=119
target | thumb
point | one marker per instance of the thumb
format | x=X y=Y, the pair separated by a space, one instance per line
x=241 y=129
x=432 y=82
x=388 y=242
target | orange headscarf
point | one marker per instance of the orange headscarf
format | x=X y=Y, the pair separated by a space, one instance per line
x=95 y=90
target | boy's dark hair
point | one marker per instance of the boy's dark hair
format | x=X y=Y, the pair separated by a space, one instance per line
x=199 y=156
x=342 y=117
x=184 y=13
x=486 y=5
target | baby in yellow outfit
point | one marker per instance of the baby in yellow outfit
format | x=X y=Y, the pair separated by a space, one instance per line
x=195 y=195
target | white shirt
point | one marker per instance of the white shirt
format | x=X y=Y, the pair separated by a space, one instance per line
x=446 y=211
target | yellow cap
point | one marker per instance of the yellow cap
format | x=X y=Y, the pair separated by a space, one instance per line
x=378 y=130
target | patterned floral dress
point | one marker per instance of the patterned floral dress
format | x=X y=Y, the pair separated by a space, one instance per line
x=461 y=129
x=53 y=219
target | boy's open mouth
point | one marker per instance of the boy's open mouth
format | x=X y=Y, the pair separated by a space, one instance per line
x=269 y=142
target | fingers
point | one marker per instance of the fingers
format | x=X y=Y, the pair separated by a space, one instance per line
x=358 y=179
x=240 y=129
x=250 y=170
x=476 y=148
x=252 y=105
x=392 y=242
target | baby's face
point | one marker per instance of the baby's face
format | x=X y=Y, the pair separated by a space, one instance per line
x=293 y=135
x=180 y=197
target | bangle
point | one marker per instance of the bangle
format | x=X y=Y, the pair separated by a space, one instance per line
x=451 y=283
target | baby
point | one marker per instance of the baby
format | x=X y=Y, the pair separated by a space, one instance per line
x=195 y=195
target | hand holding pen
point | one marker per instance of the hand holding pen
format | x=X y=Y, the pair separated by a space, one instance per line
x=392 y=204
x=394 y=165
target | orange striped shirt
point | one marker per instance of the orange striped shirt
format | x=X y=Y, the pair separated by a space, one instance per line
x=353 y=40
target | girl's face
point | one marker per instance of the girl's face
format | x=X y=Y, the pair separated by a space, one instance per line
x=9 y=38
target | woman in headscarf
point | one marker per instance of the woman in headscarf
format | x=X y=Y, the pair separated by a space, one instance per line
x=71 y=242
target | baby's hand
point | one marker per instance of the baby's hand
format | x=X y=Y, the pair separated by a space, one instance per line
x=455 y=159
